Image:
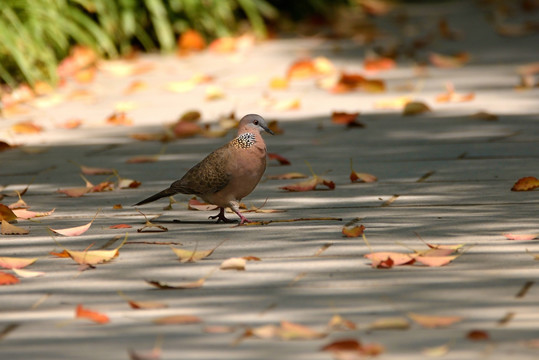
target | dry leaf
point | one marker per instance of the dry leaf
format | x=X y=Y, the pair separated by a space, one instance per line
x=214 y=92
x=223 y=45
x=177 y=319
x=351 y=349
x=390 y=323
x=192 y=255
x=435 y=261
x=281 y=159
x=6 y=213
x=379 y=259
x=80 y=57
x=360 y=177
x=9 y=229
x=287 y=176
x=74 y=231
x=449 y=61
x=92 y=315
x=451 y=96
x=348 y=119
x=120 y=226
x=477 y=335
x=119 y=119
x=191 y=285
x=292 y=331
x=195 y=204
x=190 y=40
x=415 y=108
x=483 y=115
x=395 y=103
x=437 y=351
x=525 y=237
x=26 y=127
x=143 y=159
x=135 y=86
x=94 y=257
x=353 y=231
x=234 y=263
x=26 y=214
x=433 y=321
x=337 y=322
x=8 y=279
x=278 y=83
x=526 y=184
x=15 y=262
x=28 y=273
x=378 y=64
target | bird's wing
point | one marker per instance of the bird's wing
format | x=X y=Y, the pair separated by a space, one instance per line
x=208 y=176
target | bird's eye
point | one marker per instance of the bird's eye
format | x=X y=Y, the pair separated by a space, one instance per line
x=255 y=122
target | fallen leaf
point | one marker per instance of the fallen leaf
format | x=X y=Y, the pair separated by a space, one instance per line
x=195 y=204
x=75 y=192
x=449 y=61
x=433 y=321
x=353 y=231
x=177 y=320
x=6 y=213
x=234 y=263
x=395 y=103
x=15 y=262
x=150 y=225
x=192 y=255
x=75 y=231
x=26 y=214
x=292 y=331
x=311 y=184
x=273 y=125
x=214 y=92
x=119 y=119
x=436 y=351
x=301 y=69
x=26 y=127
x=286 y=104
x=190 y=285
x=85 y=76
x=80 y=57
x=378 y=64
x=71 y=124
x=360 y=177
x=185 y=129
x=525 y=237
x=88 y=170
x=223 y=45
x=278 y=83
x=435 y=261
x=450 y=247
x=390 y=323
x=337 y=322
x=9 y=229
x=218 y=329
x=415 y=108
x=28 y=273
x=348 y=82
x=351 y=349
x=120 y=226
x=348 y=119
x=143 y=159
x=135 y=86
x=281 y=159
x=526 y=184
x=380 y=259
x=8 y=279
x=95 y=257
x=483 y=115
x=451 y=96
x=124 y=68
x=97 y=317
x=477 y=335
x=287 y=176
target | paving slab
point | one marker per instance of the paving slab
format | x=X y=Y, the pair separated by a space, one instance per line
x=442 y=176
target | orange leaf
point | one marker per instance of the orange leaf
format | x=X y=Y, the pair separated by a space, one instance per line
x=16 y=263
x=83 y=313
x=195 y=204
x=344 y=118
x=353 y=231
x=6 y=213
x=70 y=124
x=433 y=321
x=223 y=45
x=301 y=69
x=119 y=119
x=26 y=127
x=63 y=254
x=85 y=76
x=8 y=279
x=9 y=229
x=526 y=184
x=177 y=319
x=135 y=86
x=190 y=40
x=449 y=61
x=415 y=108
x=347 y=82
x=524 y=237
x=379 y=64
x=343 y=345
x=337 y=322
x=451 y=96
x=281 y=159
x=79 y=58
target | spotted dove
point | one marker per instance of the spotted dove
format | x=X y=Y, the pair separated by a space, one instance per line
x=229 y=173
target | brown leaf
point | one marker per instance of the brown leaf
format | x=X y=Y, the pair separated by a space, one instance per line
x=9 y=229
x=191 y=285
x=477 y=335
x=6 y=213
x=483 y=115
x=415 y=108
x=337 y=322
x=433 y=321
x=119 y=119
x=292 y=331
x=191 y=255
x=449 y=61
x=360 y=177
x=526 y=184
x=120 y=226
x=91 y=315
x=177 y=319
x=390 y=323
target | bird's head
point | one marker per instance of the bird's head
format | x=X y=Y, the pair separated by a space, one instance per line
x=252 y=122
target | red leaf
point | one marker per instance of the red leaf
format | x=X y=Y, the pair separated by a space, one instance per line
x=8 y=279
x=477 y=335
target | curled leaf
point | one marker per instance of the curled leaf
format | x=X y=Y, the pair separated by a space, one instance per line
x=97 y=317
x=526 y=184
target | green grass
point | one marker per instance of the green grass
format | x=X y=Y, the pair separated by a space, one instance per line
x=36 y=34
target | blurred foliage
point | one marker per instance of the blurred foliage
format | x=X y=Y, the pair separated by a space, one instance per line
x=36 y=34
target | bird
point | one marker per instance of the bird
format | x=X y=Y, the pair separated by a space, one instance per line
x=228 y=174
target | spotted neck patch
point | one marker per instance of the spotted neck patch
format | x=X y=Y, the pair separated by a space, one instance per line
x=244 y=141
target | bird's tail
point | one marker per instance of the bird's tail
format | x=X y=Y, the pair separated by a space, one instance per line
x=159 y=195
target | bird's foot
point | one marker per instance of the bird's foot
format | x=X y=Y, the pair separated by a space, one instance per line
x=221 y=217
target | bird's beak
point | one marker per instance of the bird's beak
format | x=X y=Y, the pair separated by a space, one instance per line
x=267 y=129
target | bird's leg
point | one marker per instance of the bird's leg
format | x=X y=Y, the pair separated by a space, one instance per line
x=236 y=209
x=221 y=216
